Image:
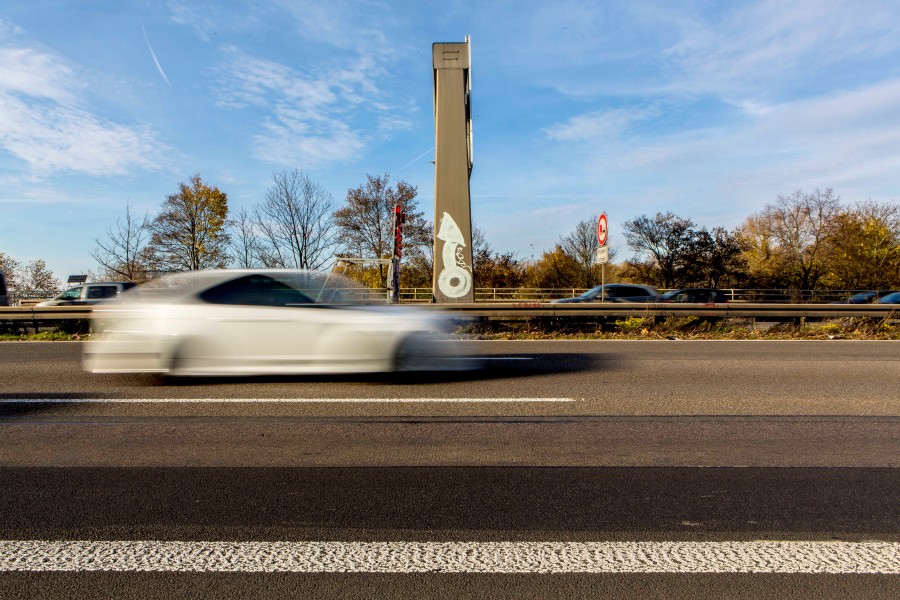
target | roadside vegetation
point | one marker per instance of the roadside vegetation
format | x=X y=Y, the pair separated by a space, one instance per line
x=684 y=328
x=631 y=328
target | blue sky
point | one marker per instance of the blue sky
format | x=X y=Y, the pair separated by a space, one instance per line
x=706 y=109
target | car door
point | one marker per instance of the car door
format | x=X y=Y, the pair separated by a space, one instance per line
x=99 y=293
x=262 y=323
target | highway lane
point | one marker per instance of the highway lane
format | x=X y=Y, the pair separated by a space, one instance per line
x=607 y=377
x=612 y=442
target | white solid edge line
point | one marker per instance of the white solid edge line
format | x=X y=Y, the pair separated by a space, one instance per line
x=454 y=557
x=269 y=400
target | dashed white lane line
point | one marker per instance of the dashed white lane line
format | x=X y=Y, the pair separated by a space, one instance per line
x=264 y=400
x=454 y=557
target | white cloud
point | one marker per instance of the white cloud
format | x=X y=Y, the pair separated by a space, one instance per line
x=29 y=72
x=57 y=138
x=598 y=126
x=747 y=50
x=204 y=18
x=46 y=122
x=308 y=116
x=245 y=80
x=290 y=142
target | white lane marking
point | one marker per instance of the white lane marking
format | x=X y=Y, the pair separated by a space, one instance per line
x=499 y=358
x=454 y=557
x=267 y=400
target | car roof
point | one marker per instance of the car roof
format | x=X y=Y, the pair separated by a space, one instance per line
x=173 y=286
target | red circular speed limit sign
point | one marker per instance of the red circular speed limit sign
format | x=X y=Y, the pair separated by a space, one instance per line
x=602 y=229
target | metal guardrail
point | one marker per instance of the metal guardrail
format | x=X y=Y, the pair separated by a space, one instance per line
x=752 y=295
x=421 y=295
x=652 y=310
x=33 y=314
x=44 y=313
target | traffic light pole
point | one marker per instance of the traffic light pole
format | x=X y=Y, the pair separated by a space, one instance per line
x=399 y=218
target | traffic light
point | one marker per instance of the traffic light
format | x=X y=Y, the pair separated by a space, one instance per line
x=399 y=220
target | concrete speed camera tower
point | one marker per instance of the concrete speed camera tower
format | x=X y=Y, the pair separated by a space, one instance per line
x=452 y=168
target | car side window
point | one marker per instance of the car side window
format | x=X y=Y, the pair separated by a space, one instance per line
x=71 y=294
x=97 y=292
x=255 y=290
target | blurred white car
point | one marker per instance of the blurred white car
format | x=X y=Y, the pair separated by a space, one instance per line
x=241 y=322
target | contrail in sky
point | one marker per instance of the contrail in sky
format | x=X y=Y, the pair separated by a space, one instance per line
x=153 y=54
x=415 y=159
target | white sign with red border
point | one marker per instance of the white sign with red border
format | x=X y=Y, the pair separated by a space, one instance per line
x=602 y=229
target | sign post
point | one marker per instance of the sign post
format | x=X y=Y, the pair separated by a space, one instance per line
x=602 y=253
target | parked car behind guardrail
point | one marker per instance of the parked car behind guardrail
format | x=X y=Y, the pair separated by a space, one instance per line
x=892 y=298
x=867 y=297
x=615 y=292
x=696 y=296
x=89 y=293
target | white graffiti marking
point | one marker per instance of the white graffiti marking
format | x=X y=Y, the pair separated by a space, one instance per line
x=455 y=279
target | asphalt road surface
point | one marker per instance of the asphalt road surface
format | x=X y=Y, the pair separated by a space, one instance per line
x=559 y=469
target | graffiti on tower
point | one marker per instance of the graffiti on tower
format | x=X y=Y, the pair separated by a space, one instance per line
x=455 y=278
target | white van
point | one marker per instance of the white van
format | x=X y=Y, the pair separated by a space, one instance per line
x=90 y=293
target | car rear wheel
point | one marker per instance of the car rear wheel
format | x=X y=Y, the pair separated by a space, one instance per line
x=192 y=357
x=414 y=353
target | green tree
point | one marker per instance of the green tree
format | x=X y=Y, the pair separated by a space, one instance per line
x=493 y=269
x=189 y=232
x=766 y=266
x=714 y=259
x=866 y=247
x=555 y=269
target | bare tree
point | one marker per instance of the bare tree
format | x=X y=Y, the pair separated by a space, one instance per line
x=121 y=254
x=365 y=223
x=802 y=225
x=296 y=222
x=582 y=245
x=666 y=239
x=246 y=245
x=12 y=271
x=36 y=277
